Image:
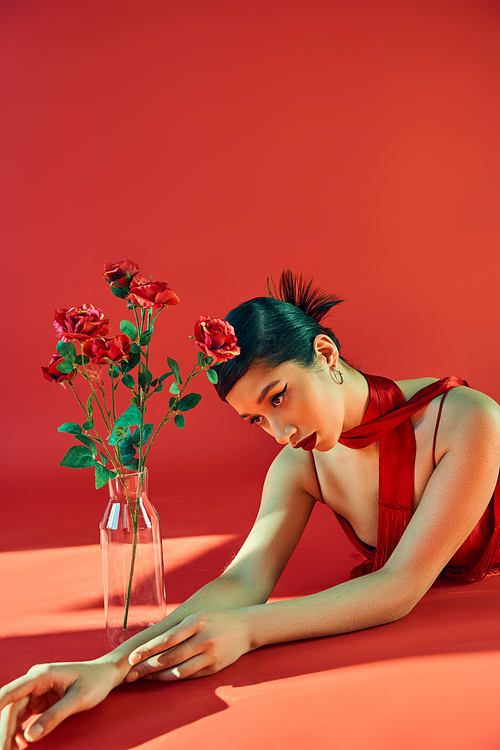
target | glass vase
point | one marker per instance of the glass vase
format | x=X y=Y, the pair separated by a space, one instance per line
x=132 y=559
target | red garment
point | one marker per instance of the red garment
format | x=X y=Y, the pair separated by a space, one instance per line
x=387 y=419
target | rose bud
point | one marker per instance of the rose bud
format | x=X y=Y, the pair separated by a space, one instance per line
x=119 y=275
x=53 y=375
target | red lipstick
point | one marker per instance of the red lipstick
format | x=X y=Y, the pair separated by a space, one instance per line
x=308 y=443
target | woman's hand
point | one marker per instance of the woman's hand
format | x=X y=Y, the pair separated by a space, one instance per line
x=55 y=691
x=198 y=646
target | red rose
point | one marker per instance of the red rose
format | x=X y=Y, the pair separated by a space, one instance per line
x=107 y=351
x=149 y=294
x=52 y=374
x=119 y=275
x=216 y=338
x=85 y=322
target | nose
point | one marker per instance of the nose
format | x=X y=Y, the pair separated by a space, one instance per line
x=282 y=436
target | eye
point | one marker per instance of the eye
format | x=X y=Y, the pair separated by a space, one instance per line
x=274 y=401
x=279 y=396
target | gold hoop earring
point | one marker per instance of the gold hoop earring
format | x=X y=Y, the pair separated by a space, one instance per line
x=337 y=376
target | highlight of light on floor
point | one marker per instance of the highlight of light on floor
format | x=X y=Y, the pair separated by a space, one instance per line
x=50 y=590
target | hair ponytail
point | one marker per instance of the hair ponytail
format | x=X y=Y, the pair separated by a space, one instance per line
x=300 y=292
x=278 y=328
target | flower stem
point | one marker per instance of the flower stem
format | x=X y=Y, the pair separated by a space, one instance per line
x=135 y=511
x=95 y=394
x=135 y=520
x=194 y=372
x=96 y=436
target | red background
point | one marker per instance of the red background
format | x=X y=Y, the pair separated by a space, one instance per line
x=215 y=144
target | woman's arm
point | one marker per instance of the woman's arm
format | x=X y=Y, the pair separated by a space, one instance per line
x=454 y=500
x=59 y=690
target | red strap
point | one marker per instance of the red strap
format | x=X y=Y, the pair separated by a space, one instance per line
x=388 y=419
x=393 y=408
x=436 y=428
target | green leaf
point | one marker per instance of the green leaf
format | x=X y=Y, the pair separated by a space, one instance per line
x=78 y=457
x=65 y=366
x=154 y=383
x=102 y=474
x=82 y=359
x=67 y=350
x=133 y=465
x=119 y=291
x=134 y=401
x=212 y=376
x=113 y=437
x=113 y=371
x=129 y=329
x=158 y=388
x=179 y=421
x=171 y=401
x=165 y=376
x=146 y=433
x=72 y=427
x=130 y=363
x=146 y=337
x=103 y=458
x=127 y=449
x=189 y=401
x=90 y=408
x=144 y=379
x=130 y=416
x=174 y=388
x=175 y=369
x=88 y=425
x=88 y=442
x=128 y=381
x=135 y=348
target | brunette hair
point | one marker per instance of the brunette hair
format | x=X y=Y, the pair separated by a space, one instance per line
x=278 y=328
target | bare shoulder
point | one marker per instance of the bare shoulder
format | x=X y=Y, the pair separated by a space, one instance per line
x=466 y=414
x=295 y=468
x=410 y=387
x=468 y=408
x=461 y=400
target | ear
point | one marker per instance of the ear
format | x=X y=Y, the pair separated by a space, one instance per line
x=326 y=350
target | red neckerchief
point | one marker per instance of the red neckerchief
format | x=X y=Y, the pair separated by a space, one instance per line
x=387 y=419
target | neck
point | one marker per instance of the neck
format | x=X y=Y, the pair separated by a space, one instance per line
x=356 y=397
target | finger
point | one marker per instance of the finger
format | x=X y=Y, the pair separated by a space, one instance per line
x=17 y=689
x=176 y=635
x=10 y=721
x=195 y=667
x=69 y=704
x=170 y=658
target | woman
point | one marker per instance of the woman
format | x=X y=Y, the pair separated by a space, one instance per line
x=410 y=470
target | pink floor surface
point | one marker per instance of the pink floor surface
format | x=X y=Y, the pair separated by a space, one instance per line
x=430 y=680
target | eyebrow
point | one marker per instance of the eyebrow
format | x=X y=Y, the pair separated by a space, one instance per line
x=262 y=396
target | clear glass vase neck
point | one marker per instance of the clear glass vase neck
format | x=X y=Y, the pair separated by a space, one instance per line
x=129 y=486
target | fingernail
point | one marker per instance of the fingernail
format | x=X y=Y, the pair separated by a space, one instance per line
x=33 y=732
x=135 y=658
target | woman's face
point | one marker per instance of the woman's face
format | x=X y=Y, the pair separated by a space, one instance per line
x=292 y=403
